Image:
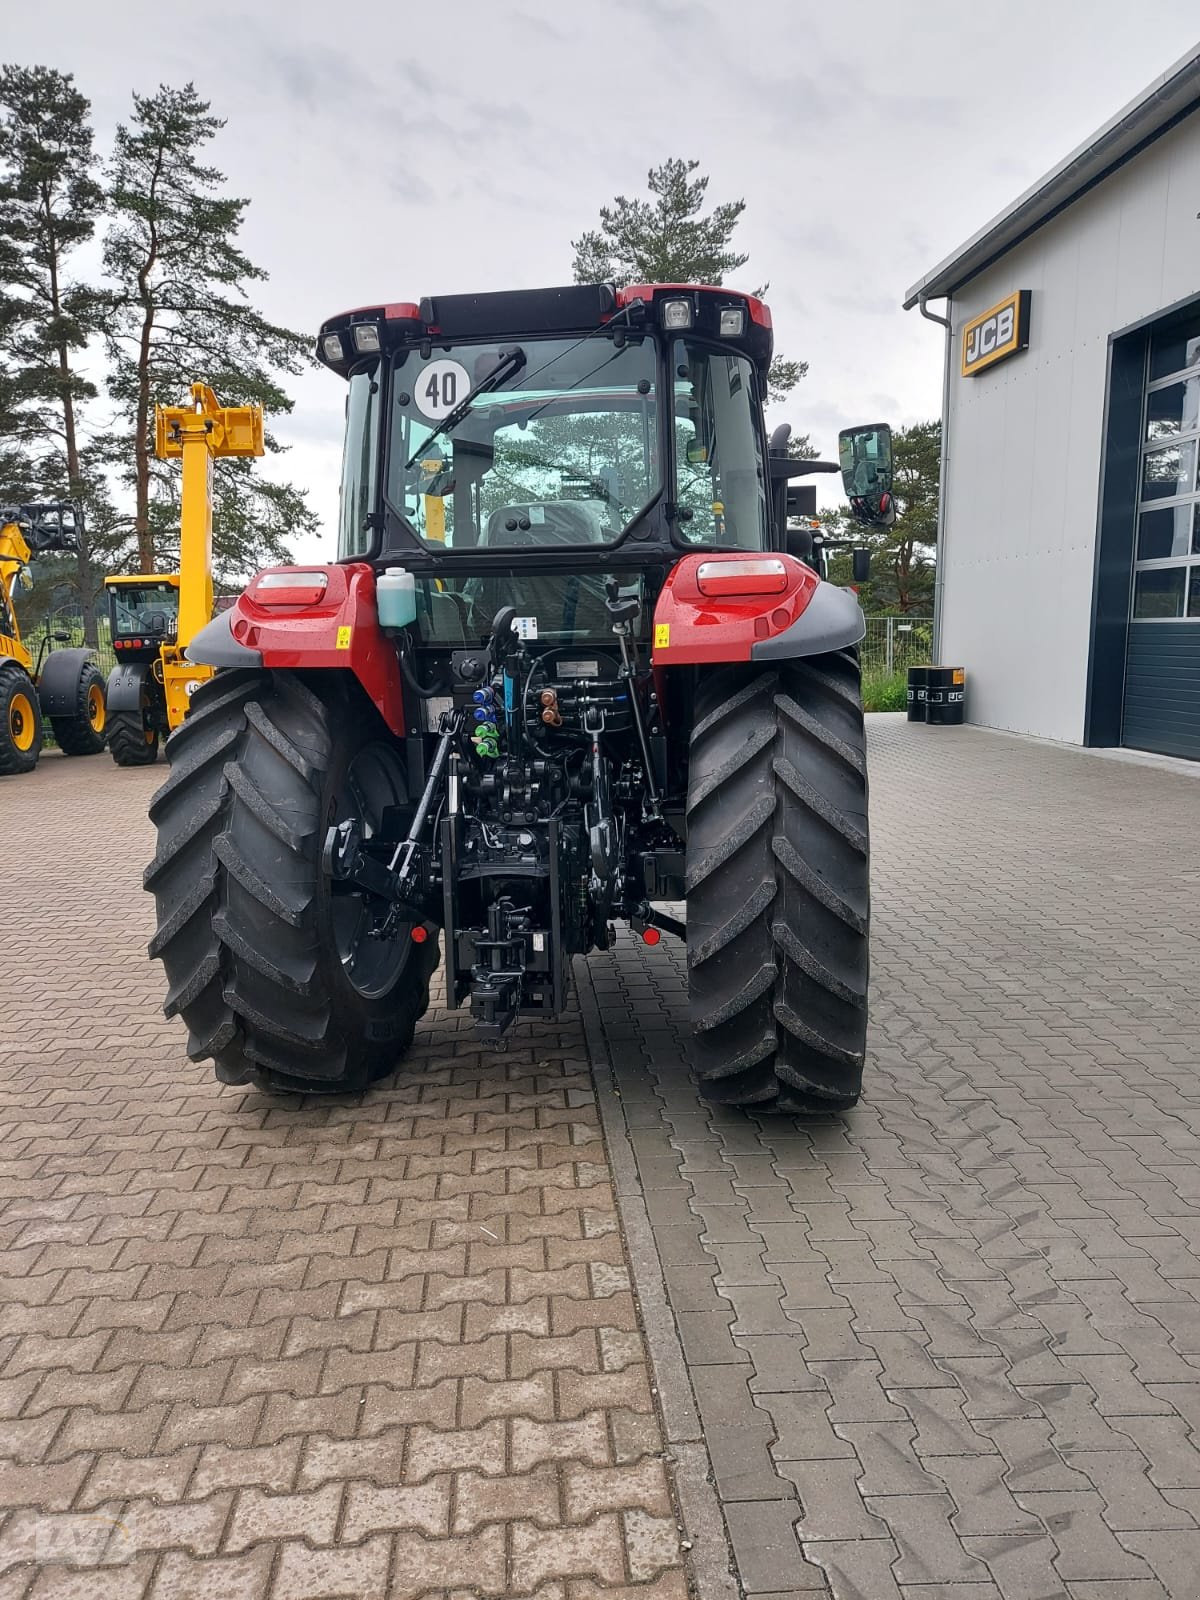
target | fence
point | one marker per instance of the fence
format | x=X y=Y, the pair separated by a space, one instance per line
x=63 y=633
x=893 y=644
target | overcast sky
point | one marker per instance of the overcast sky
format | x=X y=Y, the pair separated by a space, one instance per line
x=394 y=151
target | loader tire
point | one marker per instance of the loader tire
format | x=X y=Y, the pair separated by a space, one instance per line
x=270 y=970
x=85 y=733
x=20 y=722
x=130 y=741
x=778 y=888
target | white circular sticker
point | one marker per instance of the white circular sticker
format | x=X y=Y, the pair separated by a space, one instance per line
x=191 y=686
x=440 y=387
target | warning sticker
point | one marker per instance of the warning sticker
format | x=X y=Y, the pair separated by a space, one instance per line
x=343 y=638
x=662 y=635
x=526 y=627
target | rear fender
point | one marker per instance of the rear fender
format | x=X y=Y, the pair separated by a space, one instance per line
x=58 y=682
x=126 y=686
x=791 y=613
x=323 y=619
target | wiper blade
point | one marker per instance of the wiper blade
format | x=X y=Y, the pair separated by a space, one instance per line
x=510 y=363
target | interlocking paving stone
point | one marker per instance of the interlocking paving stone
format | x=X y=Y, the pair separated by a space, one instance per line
x=968 y=1311
x=371 y=1347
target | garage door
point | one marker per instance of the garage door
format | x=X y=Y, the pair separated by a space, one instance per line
x=1162 y=669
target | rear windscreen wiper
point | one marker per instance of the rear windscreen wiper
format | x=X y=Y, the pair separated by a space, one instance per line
x=509 y=363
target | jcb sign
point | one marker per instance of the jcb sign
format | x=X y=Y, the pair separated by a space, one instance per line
x=998 y=333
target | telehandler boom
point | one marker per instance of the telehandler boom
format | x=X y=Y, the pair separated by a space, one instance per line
x=155 y=616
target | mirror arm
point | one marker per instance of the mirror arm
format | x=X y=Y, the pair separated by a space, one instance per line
x=798 y=466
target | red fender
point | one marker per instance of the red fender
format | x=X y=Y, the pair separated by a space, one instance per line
x=716 y=607
x=322 y=617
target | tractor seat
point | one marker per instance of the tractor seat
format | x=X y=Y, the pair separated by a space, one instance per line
x=549 y=523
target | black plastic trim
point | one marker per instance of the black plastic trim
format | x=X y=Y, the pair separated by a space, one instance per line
x=215 y=646
x=832 y=620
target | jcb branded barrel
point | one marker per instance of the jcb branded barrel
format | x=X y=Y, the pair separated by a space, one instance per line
x=918 y=685
x=946 y=696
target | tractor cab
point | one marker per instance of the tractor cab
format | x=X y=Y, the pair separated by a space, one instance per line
x=143 y=615
x=587 y=433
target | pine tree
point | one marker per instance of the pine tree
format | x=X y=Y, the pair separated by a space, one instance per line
x=50 y=200
x=179 y=312
x=668 y=239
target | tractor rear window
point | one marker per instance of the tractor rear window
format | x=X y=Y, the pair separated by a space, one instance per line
x=552 y=609
x=144 y=608
x=563 y=451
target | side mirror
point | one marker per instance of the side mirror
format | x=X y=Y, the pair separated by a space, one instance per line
x=865 y=455
x=63 y=638
x=861 y=561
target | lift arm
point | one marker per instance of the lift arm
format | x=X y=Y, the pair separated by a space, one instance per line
x=199 y=433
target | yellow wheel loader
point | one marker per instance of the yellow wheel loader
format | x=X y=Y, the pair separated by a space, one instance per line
x=155 y=616
x=64 y=686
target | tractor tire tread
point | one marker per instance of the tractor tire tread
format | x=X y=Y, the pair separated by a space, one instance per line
x=127 y=742
x=777 y=828
x=236 y=879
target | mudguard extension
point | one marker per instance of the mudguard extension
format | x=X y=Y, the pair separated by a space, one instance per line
x=58 y=684
x=831 y=620
x=215 y=646
x=309 y=618
x=802 y=616
x=124 y=691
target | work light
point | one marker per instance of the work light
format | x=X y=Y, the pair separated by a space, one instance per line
x=677 y=314
x=733 y=320
x=331 y=347
x=366 y=339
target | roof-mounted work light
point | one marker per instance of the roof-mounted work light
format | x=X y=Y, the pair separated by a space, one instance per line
x=733 y=322
x=366 y=338
x=331 y=347
x=676 y=315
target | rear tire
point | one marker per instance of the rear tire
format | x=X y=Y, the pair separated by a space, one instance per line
x=84 y=733
x=270 y=970
x=131 y=741
x=20 y=722
x=778 y=885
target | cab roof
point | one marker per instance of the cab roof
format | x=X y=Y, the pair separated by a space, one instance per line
x=531 y=313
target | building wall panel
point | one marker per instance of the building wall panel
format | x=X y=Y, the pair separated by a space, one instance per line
x=1025 y=438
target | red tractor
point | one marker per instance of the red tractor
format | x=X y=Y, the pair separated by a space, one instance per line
x=569 y=667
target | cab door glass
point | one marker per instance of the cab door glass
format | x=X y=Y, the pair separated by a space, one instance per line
x=719 y=459
x=360 y=466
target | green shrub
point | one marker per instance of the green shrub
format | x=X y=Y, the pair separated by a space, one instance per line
x=884 y=691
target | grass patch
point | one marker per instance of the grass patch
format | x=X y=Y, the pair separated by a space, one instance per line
x=884 y=691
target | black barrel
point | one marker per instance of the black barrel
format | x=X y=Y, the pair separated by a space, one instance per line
x=918 y=684
x=946 y=696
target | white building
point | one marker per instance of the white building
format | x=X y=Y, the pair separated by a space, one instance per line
x=1069 y=558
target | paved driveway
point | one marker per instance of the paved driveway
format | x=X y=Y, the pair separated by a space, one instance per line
x=952 y=1339
x=247 y=1347
x=946 y=1347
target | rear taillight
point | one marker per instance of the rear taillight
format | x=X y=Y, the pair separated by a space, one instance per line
x=756 y=575
x=289 y=588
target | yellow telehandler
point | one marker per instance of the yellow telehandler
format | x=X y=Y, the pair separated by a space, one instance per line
x=155 y=616
x=64 y=686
